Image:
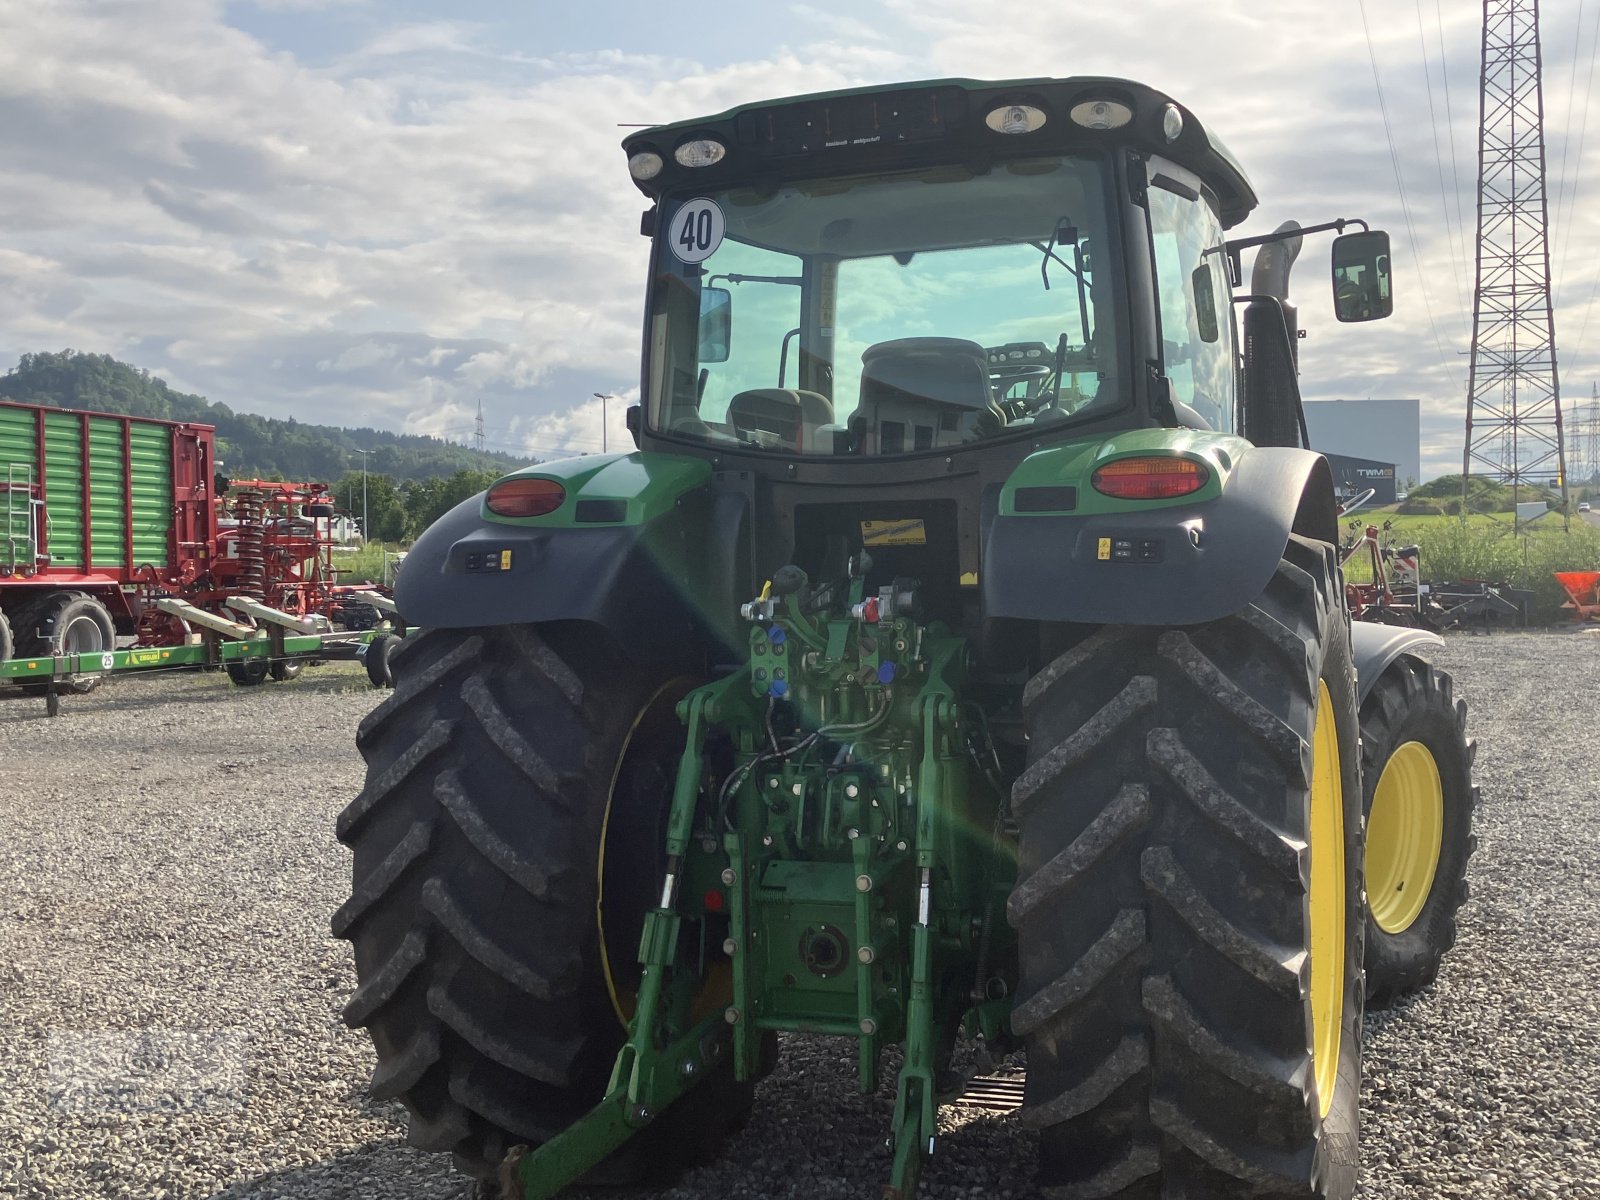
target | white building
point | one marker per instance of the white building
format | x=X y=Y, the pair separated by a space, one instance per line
x=1388 y=430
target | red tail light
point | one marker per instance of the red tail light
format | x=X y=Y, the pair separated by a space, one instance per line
x=1155 y=478
x=525 y=497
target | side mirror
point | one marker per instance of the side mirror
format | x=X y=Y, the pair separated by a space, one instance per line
x=1361 y=286
x=716 y=324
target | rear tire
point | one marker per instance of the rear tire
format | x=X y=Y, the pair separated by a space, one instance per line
x=358 y=615
x=496 y=771
x=1189 y=904
x=376 y=659
x=1415 y=752
x=249 y=672
x=65 y=623
x=7 y=645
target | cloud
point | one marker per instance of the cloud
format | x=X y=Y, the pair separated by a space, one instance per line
x=441 y=213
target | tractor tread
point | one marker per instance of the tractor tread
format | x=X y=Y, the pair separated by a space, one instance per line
x=1125 y=937
x=465 y=653
x=436 y=899
x=1279 y=636
x=531 y=876
x=1273 y=1179
x=1130 y=1058
x=503 y=734
x=1255 y=1070
x=377 y=882
x=1128 y=812
x=1284 y=854
x=380 y=987
x=1100 y=642
x=403 y=1072
x=550 y=1065
x=1140 y=1162
x=1280 y=970
x=535 y=652
x=467 y=1091
x=439 y=1131
x=434 y=739
x=1260 y=722
x=1137 y=697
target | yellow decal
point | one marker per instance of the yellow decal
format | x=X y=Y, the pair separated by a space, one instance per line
x=969 y=579
x=505 y=560
x=144 y=658
x=1105 y=550
x=893 y=533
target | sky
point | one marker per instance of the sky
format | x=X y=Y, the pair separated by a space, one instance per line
x=382 y=212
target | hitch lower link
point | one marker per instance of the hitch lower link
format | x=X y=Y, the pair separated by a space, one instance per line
x=657 y=1066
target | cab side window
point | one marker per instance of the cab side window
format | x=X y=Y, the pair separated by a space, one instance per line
x=1192 y=280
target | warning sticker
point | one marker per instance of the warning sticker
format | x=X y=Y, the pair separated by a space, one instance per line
x=1104 y=553
x=505 y=560
x=893 y=533
x=696 y=231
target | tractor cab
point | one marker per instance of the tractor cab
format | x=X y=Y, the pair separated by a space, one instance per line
x=859 y=276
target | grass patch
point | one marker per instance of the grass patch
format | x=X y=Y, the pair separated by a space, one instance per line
x=364 y=565
x=1484 y=547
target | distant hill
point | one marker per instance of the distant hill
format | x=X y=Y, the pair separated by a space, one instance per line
x=248 y=445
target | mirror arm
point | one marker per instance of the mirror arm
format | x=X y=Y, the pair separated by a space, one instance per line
x=792 y=280
x=1234 y=247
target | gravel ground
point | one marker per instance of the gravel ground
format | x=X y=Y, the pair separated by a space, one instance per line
x=169 y=994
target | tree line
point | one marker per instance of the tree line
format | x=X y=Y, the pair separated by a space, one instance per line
x=248 y=446
x=399 y=510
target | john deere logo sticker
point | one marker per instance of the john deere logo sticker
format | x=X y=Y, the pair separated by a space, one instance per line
x=893 y=533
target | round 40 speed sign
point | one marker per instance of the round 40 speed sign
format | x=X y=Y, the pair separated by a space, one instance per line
x=696 y=231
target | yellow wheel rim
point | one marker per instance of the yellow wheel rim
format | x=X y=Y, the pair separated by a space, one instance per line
x=1405 y=832
x=1327 y=900
x=718 y=989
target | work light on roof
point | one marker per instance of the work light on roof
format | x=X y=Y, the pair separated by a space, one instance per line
x=1171 y=122
x=1015 y=118
x=702 y=152
x=1101 y=114
x=646 y=164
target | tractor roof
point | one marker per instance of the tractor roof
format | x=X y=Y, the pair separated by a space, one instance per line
x=931 y=122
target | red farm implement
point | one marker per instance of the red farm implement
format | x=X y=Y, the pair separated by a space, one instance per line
x=1583 y=593
x=121 y=539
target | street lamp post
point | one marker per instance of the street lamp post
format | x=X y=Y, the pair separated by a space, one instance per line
x=366 y=535
x=604 y=418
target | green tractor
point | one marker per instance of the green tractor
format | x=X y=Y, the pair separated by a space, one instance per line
x=962 y=656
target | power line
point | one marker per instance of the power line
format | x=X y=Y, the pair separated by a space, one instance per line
x=1452 y=233
x=1583 y=129
x=1405 y=203
x=1450 y=125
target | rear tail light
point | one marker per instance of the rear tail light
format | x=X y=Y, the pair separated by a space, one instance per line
x=525 y=497
x=1150 y=478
